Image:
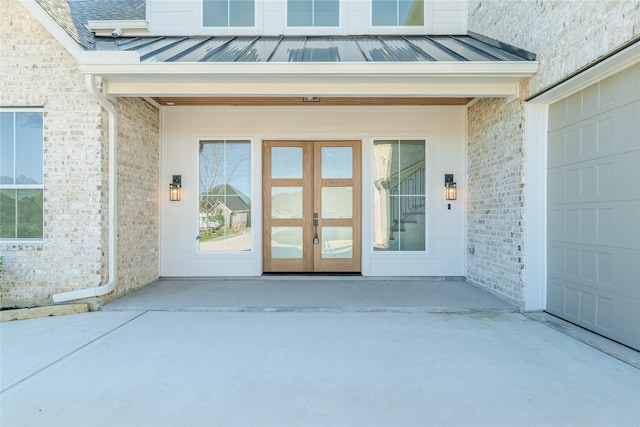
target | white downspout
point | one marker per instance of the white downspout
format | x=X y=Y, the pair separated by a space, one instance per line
x=108 y=287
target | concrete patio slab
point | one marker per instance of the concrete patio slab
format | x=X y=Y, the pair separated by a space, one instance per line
x=28 y=346
x=312 y=293
x=185 y=368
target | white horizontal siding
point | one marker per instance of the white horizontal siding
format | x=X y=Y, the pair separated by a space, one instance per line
x=185 y=18
x=442 y=127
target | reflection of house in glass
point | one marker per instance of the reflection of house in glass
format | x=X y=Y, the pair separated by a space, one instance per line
x=399 y=196
x=226 y=208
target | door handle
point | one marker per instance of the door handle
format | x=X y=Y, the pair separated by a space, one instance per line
x=315 y=229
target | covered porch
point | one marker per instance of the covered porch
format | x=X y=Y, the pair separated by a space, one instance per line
x=294 y=293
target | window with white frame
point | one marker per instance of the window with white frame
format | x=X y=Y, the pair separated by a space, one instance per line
x=313 y=13
x=21 y=175
x=228 y=13
x=225 y=195
x=399 y=195
x=397 y=13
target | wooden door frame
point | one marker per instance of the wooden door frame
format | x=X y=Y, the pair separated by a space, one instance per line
x=311 y=184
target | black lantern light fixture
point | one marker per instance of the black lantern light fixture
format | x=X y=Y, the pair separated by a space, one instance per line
x=175 y=188
x=450 y=191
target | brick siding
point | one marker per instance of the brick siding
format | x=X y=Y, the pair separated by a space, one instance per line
x=36 y=71
x=566 y=35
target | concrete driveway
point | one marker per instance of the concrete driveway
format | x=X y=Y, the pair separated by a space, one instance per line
x=207 y=368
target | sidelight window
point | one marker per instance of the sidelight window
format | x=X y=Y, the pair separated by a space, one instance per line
x=399 y=199
x=225 y=201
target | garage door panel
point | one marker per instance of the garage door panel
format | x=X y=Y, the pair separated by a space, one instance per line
x=604 y=179
x=593 y=207
x=609 y=94
x=616 y=132
x=603 y=312
x=601 y=268
x=607 y=223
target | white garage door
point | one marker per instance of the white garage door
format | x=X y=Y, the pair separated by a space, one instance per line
x=594 y=208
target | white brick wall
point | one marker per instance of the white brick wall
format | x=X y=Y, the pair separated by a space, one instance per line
x=566 y=36
x=36 y=71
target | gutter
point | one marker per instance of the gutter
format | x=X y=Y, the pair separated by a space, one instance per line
x=108 y=287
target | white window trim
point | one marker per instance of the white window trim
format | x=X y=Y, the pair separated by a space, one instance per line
x=341 y=29
x=256 y=231
x=427 y=28
x=400 y=255
x=25 y=186
x=233 y=31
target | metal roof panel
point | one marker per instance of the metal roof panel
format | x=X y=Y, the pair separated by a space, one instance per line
x=314 y=49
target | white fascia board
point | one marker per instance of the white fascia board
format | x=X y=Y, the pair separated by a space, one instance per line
x=516 y=69
x=130 y=28
x=110 y=25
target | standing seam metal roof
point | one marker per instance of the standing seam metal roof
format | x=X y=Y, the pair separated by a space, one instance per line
x=471 y=47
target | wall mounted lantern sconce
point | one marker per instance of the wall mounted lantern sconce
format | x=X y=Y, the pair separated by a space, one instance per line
x=175 y=188
x=450 y=191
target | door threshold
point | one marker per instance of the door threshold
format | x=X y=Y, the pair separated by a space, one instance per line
x=314 y=274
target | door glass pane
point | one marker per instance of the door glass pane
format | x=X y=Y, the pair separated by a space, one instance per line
x=337 y=202
x=337 y=242
x=286 y=242
x=286 y=202
x=286 y=162
x=337 y=162
x=225 y=202
x=399 y=202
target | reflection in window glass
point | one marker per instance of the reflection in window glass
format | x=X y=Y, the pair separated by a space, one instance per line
x=337 y=202
x=21 y=174
x=394 y=13
x=337 y=162
x=286 y=162
x=337 y=242
x=286 y=202
x=399 y=196
x=313 y=13
x=286 y=242
x=228 y=13
x=225 y=202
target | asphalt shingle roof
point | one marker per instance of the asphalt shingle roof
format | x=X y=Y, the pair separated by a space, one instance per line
x=73 y=15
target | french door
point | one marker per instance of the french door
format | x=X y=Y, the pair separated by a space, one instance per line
x=311 y=206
